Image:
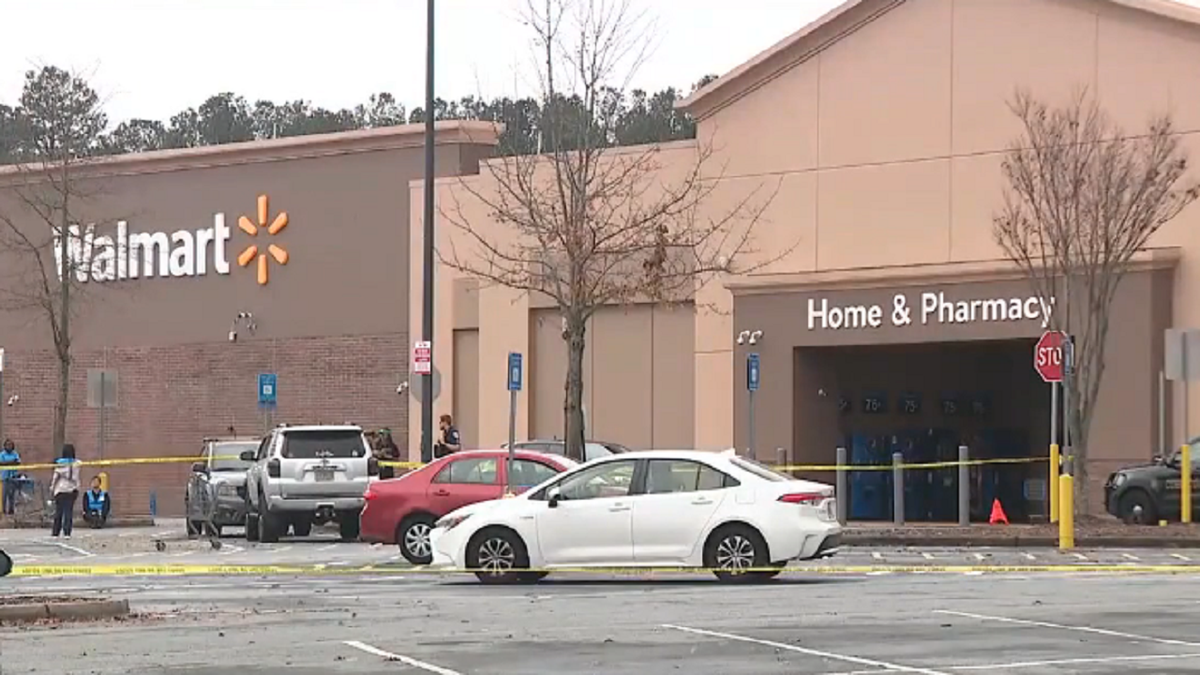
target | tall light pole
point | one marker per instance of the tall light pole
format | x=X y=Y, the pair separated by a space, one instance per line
x=427 y=252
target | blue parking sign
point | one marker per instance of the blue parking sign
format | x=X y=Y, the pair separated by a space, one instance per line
x=752 y=372
x=267 y=390
x=514 y=371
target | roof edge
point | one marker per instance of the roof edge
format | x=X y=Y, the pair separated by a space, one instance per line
x=452 y=132
x=754 y=72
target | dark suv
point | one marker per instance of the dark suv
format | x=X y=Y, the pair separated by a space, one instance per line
x=1147 y=493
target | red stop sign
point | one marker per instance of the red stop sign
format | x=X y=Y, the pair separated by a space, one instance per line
x=1048 y=355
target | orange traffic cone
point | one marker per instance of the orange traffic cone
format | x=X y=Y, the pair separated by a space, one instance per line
x=997 y=513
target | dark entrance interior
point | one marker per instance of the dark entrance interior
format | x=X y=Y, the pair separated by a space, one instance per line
x=924 y=401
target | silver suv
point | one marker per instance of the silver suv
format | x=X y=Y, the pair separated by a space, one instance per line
x=306 y=475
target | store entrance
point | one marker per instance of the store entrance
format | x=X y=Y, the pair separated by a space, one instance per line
x=923 y=401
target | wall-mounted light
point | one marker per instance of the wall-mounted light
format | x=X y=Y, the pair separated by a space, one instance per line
x=244 y=320
x=749 y=337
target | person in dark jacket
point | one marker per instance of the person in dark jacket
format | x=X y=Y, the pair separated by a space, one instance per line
x=451 y=440
x=386 y=451
x=96 y=505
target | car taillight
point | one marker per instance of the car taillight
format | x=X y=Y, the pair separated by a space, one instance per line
x=806 y=498
x=273 y=468
x=372 y=466
x=370 y=494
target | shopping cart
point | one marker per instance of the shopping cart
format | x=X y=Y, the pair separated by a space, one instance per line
x=33 y=505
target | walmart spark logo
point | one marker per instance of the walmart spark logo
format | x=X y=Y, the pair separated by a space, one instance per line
x=254 y=252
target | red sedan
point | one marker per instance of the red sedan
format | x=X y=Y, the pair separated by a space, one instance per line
x=403 y=510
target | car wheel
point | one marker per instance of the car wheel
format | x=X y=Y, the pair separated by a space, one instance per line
x=302 y=527
x=270 y=527
x=412 y=536
x=737 y=553
x=251 y=526
x=6 y=564
x=498 y=556
x=1128 y=508
x=348 y=526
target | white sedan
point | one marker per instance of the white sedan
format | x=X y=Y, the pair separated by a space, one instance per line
x=660 y=508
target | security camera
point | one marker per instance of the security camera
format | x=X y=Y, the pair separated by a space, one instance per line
x=742 y=337
x=233 y=336
x=755 y=337
x=12 y=400
x=821 y=393
x=401 y=388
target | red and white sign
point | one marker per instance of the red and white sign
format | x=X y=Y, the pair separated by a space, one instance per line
x=422 y=358
x=1048 y=355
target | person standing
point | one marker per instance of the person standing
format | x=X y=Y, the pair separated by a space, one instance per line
x=9 y=457
x=64 y=485
x=387 y=452
x=451 y=440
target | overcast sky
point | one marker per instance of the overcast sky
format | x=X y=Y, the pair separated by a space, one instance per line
x=152 y=58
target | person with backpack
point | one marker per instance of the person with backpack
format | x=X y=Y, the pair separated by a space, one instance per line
x=64 y=485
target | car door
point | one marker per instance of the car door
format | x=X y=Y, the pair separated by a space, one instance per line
x=592 y=522
x=463 y=481
x=254 y=474
x=670 y=519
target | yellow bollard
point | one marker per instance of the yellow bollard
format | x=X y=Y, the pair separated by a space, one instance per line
x=103 y=476
x=1054 y=482
x=1066 y=512
x=1185 y=485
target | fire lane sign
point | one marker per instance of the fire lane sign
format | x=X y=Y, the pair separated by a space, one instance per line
x=422 y=358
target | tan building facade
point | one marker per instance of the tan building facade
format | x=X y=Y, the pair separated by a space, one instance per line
x=882 y=126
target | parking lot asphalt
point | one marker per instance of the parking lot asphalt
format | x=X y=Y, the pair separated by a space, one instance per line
x=935 y=624
x=137 y=546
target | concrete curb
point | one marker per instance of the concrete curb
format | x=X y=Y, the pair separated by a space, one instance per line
x=1015 y=541
x=66 y=611
x=128 y=521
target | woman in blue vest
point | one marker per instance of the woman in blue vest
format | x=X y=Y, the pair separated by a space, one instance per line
x=96 y=505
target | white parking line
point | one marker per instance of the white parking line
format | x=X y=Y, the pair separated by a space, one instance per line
x=283 y=549
x=406 y=660
x=182 y=555
x=1078 y=629
x=979 y=556
x=894 y=667
x=1029 y=556
x=877 y=555
x=73 y=549
x=1130 y=556
x=1080 y=556
x=231 y=550
x=330 y=547
x=1039 y=664
x=1180 y=556
x=927 y=556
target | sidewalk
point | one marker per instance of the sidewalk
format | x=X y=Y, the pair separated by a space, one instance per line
x=44 y=523
x=1099 y=534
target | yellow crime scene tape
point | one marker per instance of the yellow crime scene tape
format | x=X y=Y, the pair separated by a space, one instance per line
x=134 y=461
x=324 y=570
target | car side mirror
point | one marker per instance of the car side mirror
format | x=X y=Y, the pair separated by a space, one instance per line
x=199 y=467
x=553 y=497
x=247 y=456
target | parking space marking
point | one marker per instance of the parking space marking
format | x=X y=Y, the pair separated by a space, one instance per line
x=1181 y=557
x=1095 y=660
x=927 y=555
x=893 y=667
x=74 y=549
x=1029 y=556
x=1130 y=556
x=1078 y=629
x=330 y=547
x=1080 y=556
x=877 y=555
x=979 y=556
x=406 y=660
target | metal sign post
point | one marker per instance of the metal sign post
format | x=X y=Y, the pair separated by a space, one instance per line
x=515 y=367
x=753 y=377
x=1048 y=363
x=268 y=397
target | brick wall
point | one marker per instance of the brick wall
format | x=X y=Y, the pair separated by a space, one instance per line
x=169 y=398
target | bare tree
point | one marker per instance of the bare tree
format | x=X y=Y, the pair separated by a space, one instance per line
x=585 y=223
x=1082 y=200
x=60 y=123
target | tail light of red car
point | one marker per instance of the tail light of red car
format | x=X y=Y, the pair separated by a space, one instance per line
x=370 y=494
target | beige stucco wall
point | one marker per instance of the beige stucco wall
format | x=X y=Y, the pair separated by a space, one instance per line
x=883 y=147
x=888 y=142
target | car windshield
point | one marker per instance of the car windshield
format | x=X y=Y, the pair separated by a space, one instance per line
x=226 y=456
x=759 y=469
x=324 y=443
